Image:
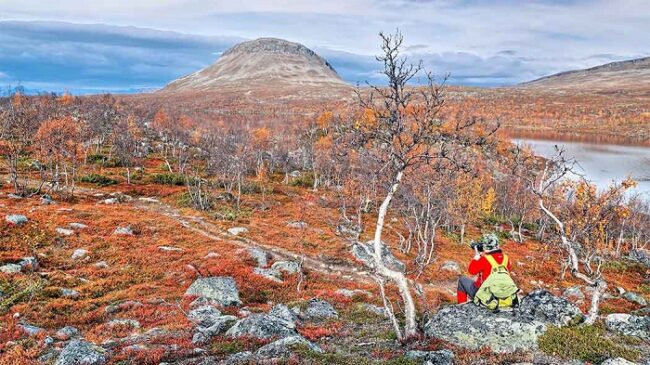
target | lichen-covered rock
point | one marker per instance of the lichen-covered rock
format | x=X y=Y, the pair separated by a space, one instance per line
x=270 y=274
x=221 y=289
x=204 y=316
x=240 y=358
x=364 y=253
x=17 y=219
x=124 y=231
x=66 y=333
x=283 y=312
x=68 y=293
x=30 y=329
x=236 y=231
x=79 y=254
x=289 y=267
x=442 y=357
x=260 y=256
x=641 y=256
x=29 y=263
x=635 y=298
x=11 y=269
x=617 y=361
x=380 y=311
x=629 y=325
x=217 y=326
x=318 y=309
x=284 y=347
x=263 y=326
x=545 y=307
x=64 y=231
x=80 y=352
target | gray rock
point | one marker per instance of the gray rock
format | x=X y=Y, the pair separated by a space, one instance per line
x=284 y=347
x=80 y=254
x=629 y=325
x=219 y=325
x=545 y=307
x=236 y=231
x=47 y=200
x=442 y=357
x=297 y=224
x=364 y=253
x=351 y=293
x=635 y=298
x=283 y=312
x=68 y=293
x=380 y=311
x=451 y=266
x=122 y=306
x=66 y=333
x=77 y=225
x=204 y=316
x=101 y=264
x=240 y=358
x=16 y=219
x=472 y=327
x=132 y=323
x=170 y=249
x=80 y=352
x=221 y=289
x=64 y=231
x=124 y=231
x=318 y=309
x=28 y=263
x=11 y=269
x=263 y=326
x=30 y=329
x=641 y=256
x=260 y=256
x=574 y=293
x=289 y=267
x=617 y=361
x=271 y=274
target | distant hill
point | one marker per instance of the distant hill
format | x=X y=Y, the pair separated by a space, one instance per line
x=623 y=76
x=265 y=66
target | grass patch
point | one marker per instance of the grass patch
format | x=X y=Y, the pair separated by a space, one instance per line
x=586 y=343
x=168 y=179
x=97 y=179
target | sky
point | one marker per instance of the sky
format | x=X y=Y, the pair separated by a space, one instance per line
x=139 y=45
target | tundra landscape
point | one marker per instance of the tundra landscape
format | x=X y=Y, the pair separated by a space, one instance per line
x=265 y=210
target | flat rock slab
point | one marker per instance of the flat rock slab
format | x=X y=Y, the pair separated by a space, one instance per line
x=364 y=253
x=220 y=289
x=629 y=325
x=80 y=352
x=17 y=219
x=262 y=326
x=318 y=309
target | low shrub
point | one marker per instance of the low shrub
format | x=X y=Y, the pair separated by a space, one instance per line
x=305 y=180
x=168 y=179
x=97 y=179
x=586 y=343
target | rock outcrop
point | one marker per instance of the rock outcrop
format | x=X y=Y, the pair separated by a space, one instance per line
x=629 y=325
x=80 y=352
x=364 y=253
x=262 y=326
x=222 y=290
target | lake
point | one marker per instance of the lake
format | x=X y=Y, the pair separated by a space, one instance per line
x=602 y=163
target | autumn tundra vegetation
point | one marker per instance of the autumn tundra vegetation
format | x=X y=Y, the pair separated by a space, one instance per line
x=351 y=217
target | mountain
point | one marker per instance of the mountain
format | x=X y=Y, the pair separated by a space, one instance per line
x=623 y=76
x=263 y=65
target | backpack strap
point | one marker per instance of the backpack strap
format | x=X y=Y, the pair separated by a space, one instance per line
x=494 y=263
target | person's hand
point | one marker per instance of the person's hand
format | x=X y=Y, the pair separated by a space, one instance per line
x=477 y=256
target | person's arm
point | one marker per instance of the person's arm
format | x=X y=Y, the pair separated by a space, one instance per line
x=475 y=265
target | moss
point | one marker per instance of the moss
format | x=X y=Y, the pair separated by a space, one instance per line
x=586 y=343
x=97 y=179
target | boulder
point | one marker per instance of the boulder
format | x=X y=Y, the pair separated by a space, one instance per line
x=543 y=306
x=617 y=361
x=101 y=264
x=262 y=326
x=80 y=254
x=240 y=358
x=283 y=312
x=260 y=256
x=351 y=293
x=80 y=352
x=11 y=269
x=68 y=293
x=131 y=323
x=380 y=311
x=283 y=347
x=635 y=298
x=28 y=263
x=270 y=274
x=629 y=325
x=204 y=316
x=451 y=266
x=236 y=231
x=77 y=225
x=472 y=327
x=124 y=231
x=30 y=329
x=221 y=289
x=16 y=219
x=297 y=224
x=641 y=256
x=442 y=357
x=64 y=232
x=364 y=253
x=216 y=327
x=66 y=333
x=289 y=267
x=318 y=309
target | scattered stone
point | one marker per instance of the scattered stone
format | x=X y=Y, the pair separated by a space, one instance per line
x=170 y=249
x=28 y=263
x=617 y=361
x=240 y=358
x=283 y=312
x=222 y=289
x=31 y=330
x=219 y=325
x=124 y=231
x=318 y=309
x=211 y=255
x=66 y=333
x=635 y=298
x=236 y=231
x=364 y=253
x=351 y=293
x=101 y=264
x=47 y=200
x=64 y=232
x=629 y=325
x=451 y=266
x=77 y=225
x=260 y=256
x=122 y=306
x=289 y=267
x=149 y=200
x=80 y=254
x=442 y=357
x=132 y=323
x=80 y=352
x=11 y=269
x=270 y=274
x=109 y=201
x=297 y=224
x=68 y=293
x=204 y=316
x=262 y=326
x=574 y=294
x=543 y=306
x=16 y=219
x=284 y=347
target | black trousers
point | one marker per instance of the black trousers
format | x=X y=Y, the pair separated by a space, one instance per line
x=466 y=285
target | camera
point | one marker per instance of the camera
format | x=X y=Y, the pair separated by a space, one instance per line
x=478 y=246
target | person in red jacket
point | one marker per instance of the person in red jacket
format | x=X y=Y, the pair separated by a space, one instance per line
x=480 y=266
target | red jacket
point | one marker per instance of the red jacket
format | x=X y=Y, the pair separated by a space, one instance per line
x=483 y=268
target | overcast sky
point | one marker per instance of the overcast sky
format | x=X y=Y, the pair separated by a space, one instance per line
x=130 y=45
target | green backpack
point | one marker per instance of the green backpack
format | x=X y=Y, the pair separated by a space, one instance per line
x=498 y=290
